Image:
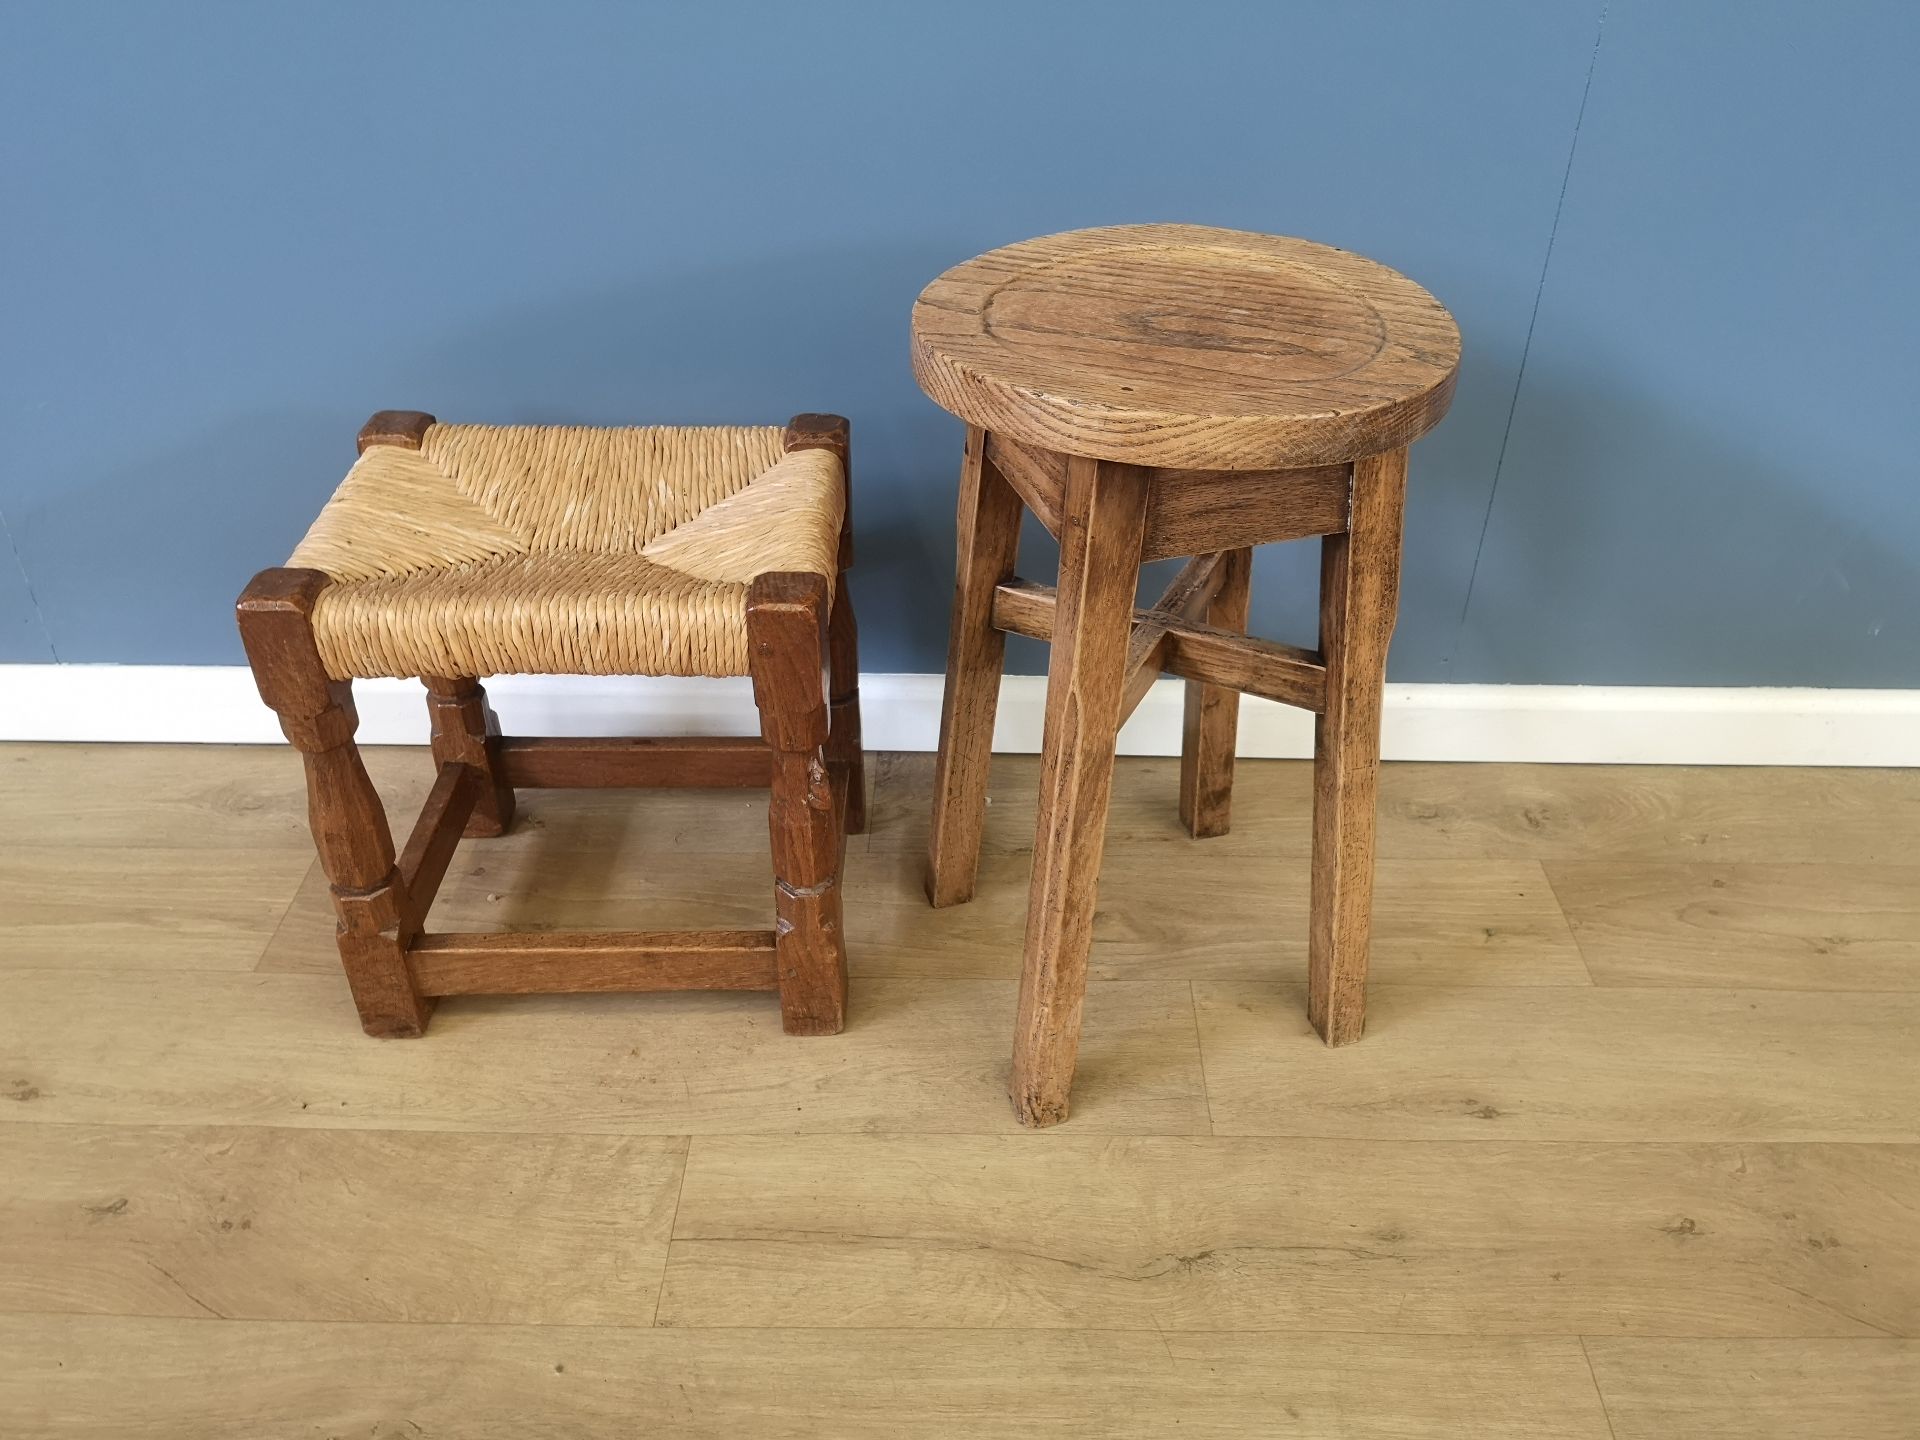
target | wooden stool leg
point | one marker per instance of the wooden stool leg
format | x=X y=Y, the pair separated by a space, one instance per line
x=349 y=825
x=1102 y=527
x=466 y=731
x=843 y=746
x=1359 y=595
x=1213 y=714
x=832 y=432
x=787 y=644
x=989 y=537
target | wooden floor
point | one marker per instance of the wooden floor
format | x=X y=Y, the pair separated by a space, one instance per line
x=1631 y=1149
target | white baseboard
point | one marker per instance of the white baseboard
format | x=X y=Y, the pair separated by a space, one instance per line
x=1576 y=724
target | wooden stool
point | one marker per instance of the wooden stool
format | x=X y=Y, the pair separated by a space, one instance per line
x=457 y=551
x=1153 y=391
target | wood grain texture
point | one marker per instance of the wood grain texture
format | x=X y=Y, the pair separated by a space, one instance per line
x=91 y=1378
x=787 y=637
x=1296 y=1235
x=988 y=539
x=467 y=732
x=1794 y=927
x=1211 y=722
x=1430 y=811
x=1579 y=1063
x=113 y=908
x=558 y=886
x=1187 y=596
x=194 y=1048
x=1701 y=1153
x=1189 y=648
x=376 y=918
x=1182 y=345
x=436 y=835
x=1486 y=923
x=1758 y=1389
x=1038 y=477
x=572 y=962
x=637 y=762
x=1359 y=602
x=1191 y=512
x=272 y=1224
x=1105 y=510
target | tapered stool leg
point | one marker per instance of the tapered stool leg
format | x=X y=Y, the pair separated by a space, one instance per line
x=467 y=732
x=349 y=824
x=989 y=536
x=1102 y=527
x=1359 y=595
x=1213 y=714
x=787 y=639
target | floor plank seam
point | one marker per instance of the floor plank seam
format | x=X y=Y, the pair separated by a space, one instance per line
x=1573 y=1337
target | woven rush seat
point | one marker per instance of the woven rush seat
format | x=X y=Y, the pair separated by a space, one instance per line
x=497 y=549
x=458 y=552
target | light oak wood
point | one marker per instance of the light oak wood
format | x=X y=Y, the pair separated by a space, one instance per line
x=1359 y=601
x=1652 y=812
x=1038 y=477
x=989 y=537
x=1435 y=922
x=88 y=1378
x=199 y=1048
x=1429 y=811
x=274 y=1224
x=1296 y=1235
x=1758 y=1389
x=114 y=908
x=1582 y=1063
x=549 y=884
x=1190 y=511
x=1795 y=927
x=1705 y=1152
x=1086 y=684
x=1183 y=345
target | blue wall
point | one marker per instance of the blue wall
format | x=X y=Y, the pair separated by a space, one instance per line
x=1679 y=452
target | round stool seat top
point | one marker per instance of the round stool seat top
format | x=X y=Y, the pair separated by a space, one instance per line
x=1187 y=346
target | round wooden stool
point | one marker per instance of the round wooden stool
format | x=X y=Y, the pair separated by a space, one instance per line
x=1152 y=391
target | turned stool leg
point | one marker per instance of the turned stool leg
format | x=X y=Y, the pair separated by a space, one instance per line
x=787 y=639
x=989 y=537
x=349 y=825
x=1213 y=714
x=1102 y=526
x=466 y=732
x=1359 y=595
